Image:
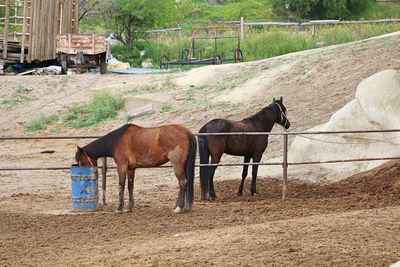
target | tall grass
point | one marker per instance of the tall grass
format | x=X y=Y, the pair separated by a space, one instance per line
x=258 y=43
x=102 y=107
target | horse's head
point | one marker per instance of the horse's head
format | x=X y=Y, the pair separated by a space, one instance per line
x=282 y=118
x=83 y=159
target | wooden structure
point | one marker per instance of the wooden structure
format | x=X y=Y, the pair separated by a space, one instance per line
x=83 y=51
x=29 y=28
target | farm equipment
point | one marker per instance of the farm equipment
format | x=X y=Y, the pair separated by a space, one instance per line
x=82 y=51
x=192 y=56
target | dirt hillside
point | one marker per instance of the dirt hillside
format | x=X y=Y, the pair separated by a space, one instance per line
x=351 y=223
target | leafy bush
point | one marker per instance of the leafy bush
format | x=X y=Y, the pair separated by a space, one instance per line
x=153 y=50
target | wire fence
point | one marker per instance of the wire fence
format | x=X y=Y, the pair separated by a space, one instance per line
x=284 y=163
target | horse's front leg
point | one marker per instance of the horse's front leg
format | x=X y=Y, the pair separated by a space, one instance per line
x=244 y=175
x=122 y=177
x=131 y=180
x=253 y=189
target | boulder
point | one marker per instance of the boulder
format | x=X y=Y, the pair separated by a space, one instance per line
x=375 y=107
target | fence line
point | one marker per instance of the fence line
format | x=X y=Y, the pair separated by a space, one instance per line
x=297 y=25
x=284 y=162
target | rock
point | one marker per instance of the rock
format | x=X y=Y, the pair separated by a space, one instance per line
x=375 y=107
x=140 y=111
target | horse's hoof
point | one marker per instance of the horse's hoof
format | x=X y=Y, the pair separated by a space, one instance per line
x=178 y=209
x=129 y=208
x=254 y=194
x=239 y=194
x=120 y=208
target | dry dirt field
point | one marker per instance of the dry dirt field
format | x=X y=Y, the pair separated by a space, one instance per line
x=355 y=222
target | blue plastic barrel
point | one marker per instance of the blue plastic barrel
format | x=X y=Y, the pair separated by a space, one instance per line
x=84 y=188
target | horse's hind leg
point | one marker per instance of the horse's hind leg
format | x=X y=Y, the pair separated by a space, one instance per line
x=244 y=175
x=131 y=180
x=215 y=158
x=122 y=177
x=179 y=171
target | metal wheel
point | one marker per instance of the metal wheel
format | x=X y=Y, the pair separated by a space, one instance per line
x=64 y=64
x=164 y=62
x=103 y=63
x=185 y=54
x=238 y=55
x=217 y=60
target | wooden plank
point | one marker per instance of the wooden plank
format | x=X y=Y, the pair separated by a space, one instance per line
x=29 y=29
x=23 y=33
x=5 y=41
x=140 y=111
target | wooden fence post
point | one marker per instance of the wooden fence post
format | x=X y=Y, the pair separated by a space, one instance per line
x=179 y=31
x=104 y=179
x=284 y=165
x=241 y=27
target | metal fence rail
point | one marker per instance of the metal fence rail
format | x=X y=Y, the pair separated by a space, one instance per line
x=284 y=163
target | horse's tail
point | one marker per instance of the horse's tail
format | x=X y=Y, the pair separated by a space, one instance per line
x=204 y=157
x=189 y=170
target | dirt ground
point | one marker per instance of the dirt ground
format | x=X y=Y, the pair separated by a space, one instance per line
x=354 y=222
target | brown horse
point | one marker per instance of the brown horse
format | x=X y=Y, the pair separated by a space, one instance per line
x=249 y=146
x=133 y=147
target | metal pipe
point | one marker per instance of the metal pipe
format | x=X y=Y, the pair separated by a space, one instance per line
x=202 y=134
x=284 y=166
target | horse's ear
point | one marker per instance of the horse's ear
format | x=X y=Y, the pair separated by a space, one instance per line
x=273 y=99
x=78 y=148
x=281 y=100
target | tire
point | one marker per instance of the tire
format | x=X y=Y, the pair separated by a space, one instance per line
x=103 y=63
x=64 y=64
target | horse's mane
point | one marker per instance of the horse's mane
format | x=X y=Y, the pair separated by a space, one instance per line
x=104 y=146
x=261 y=114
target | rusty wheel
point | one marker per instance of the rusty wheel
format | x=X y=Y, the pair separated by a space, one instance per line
x=164 y=62
x=217 y=60
x=238 y=55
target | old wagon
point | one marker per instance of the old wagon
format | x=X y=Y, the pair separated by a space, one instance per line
x=29 y=28
x=192 y=56
x=82 y=51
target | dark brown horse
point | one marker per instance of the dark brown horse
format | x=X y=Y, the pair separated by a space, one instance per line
x=249 y=146
x=133 y=147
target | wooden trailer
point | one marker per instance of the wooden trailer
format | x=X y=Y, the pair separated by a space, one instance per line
x=83 y=51
x=29 y=28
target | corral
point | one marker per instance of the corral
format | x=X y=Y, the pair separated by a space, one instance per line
x=353 y=222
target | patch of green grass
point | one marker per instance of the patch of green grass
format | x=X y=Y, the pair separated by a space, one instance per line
x=17 y=98
x=166 y=107
x=102 y=107
x=40 y=123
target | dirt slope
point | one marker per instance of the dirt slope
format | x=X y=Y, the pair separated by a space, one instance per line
x=351 y=223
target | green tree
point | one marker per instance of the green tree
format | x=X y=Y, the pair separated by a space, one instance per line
x=129 y=19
